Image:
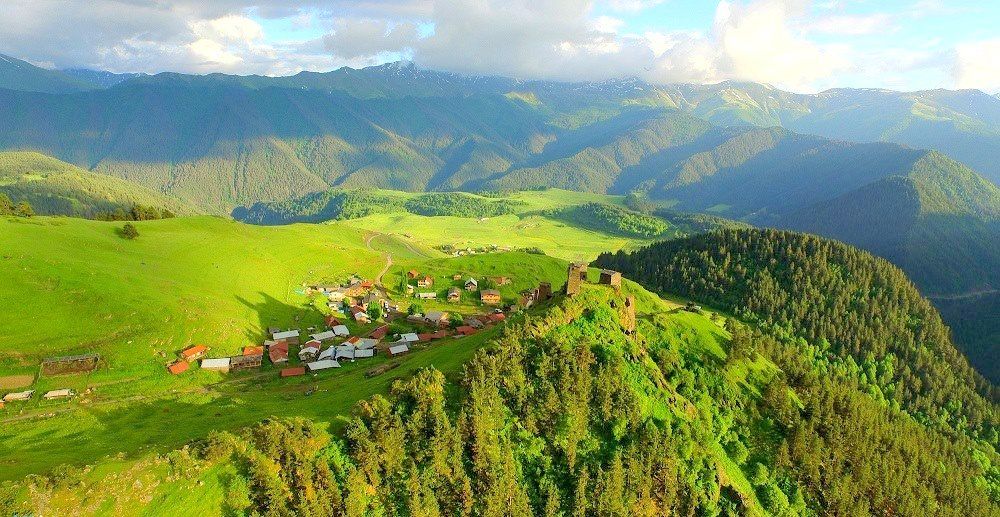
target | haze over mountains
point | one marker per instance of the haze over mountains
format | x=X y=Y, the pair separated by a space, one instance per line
x=909 y=175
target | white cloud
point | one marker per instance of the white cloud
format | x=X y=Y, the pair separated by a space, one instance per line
x=976 y=65
x=632 y=5
x=853 y=25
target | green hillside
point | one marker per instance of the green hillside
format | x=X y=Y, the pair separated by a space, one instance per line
x=53 y=187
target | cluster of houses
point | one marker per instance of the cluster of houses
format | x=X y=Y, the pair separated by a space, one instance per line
x=328 y=348
x=461 y=252
x=454 y=295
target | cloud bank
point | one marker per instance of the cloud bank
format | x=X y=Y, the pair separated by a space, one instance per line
x=794 y=44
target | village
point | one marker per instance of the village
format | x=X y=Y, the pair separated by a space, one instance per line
x=363 y=322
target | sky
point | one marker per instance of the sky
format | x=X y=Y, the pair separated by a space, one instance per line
x=798 y=45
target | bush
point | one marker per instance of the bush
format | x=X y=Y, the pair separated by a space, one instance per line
x=129 y=231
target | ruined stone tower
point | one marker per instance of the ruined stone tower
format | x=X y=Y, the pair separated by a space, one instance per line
x=628 y=320
x=612 y=278
x=576 y=275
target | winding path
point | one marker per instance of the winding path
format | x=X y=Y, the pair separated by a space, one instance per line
x=388 y=261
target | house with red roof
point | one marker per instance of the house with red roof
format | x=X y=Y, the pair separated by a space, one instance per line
x=466 y=330
x=194 y=352
x=179 y=367
x=278 y=352
x=293 y=372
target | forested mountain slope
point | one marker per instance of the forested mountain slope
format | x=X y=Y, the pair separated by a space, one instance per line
x=838 y=300
x=53 y=187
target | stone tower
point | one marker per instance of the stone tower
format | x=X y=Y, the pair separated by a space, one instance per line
x=544 y=291
x=612 y=278
x=576 y=275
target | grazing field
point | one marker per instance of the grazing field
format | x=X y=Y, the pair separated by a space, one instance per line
x=81 y=288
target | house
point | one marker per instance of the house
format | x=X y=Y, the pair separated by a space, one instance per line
x=380 y=332
x=326 y=354
x=326 y=335
x=364 y=354
x=18 y=396
x=344 y=352
x=473 y=322
x=341 y=331
x=289 y=336
x=360 y=315
x=409 y=289
x=427 y=296
x=220 y=364
x=278 y=352
x=471 y=284
x=309 y=351
x=497 y=317
x=193 y=353
x=293 y=372
x=365 y=343
x=436 y=318
x=428 y=336
x=398 y=349
x=490 y=296
x=466 y=330
x=501 y=280
x=58 y=394
x=337 y=296
x=425 y=281
x=246 y=362
x=322 y=365
x=412 y=274
x=331 y=321
x=454 y=295
x=179 y=367
x=409 y=337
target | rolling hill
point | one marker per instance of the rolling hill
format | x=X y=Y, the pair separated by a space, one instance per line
x=53 y=187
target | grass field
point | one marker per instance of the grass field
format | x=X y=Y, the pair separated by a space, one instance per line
x=80 y=288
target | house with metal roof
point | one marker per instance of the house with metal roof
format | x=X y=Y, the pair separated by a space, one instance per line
x=58 y=394
x=322 y=365
x=18 y=396
x=398 y=349
x=362 y=354
x=220 y=364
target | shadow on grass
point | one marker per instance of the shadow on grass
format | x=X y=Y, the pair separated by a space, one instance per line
x=272 y=312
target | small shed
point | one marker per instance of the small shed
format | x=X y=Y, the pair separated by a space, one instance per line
x=427 y=296
x=341 y=331
x=58 y=394
x=253 y=350
x=293 y=372
x=364 y=353
x=220 y=364
x=18 y=396
x=322 y=365
x=454 y=295
x=179 y=367
x=409 y=337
